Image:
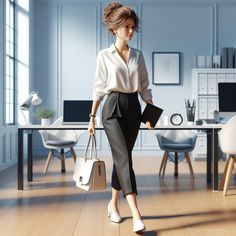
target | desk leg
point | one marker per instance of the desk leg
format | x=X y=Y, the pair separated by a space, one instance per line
x=215 y=160
x=30 y=158
x=209 y=155
x=20 y=174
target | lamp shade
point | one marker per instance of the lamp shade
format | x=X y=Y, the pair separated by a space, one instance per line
x=36 y=100
x=33 y=99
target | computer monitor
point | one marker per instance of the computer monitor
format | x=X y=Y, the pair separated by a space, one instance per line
x=227 y=100
x=76 y=111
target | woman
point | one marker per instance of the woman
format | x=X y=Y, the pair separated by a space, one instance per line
x=121 y=74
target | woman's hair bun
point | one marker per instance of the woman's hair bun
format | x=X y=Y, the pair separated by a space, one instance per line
x=109 y=9
x=115 y=14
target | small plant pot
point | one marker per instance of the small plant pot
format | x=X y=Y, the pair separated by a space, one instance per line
x=45 y=122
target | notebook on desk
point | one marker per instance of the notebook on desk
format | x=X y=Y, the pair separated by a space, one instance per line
x=76 y=112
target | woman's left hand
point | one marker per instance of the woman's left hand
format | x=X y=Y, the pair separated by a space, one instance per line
x=148 y=125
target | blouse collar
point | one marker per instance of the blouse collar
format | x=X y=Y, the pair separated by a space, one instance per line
x=112 y=49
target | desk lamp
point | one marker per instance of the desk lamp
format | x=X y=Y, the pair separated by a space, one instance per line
x=33 y=99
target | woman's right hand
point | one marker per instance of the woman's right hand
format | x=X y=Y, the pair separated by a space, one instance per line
x=91 y=127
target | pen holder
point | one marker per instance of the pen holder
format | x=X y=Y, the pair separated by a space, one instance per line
x=190 y=114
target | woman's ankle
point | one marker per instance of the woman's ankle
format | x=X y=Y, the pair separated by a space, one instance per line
x=136 y=215
x=114 y=205
x=137 y=218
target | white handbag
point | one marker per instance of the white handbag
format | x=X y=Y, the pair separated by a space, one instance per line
x=90 y=172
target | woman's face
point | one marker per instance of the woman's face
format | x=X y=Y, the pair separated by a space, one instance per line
x=126 y=31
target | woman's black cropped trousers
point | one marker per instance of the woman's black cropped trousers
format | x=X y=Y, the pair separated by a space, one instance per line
x=121 y=120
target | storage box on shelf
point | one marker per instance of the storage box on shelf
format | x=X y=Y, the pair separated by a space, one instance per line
x=205 y=92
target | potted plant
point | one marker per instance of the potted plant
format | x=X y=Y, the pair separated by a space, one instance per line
x=45 y=115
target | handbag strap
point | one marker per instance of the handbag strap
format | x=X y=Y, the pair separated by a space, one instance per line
x=92 y=147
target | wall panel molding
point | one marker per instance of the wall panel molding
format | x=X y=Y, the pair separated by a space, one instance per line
x=60 y=9
x=8 y=146
x=225 y=28
x=64 y=8
x=59 y=59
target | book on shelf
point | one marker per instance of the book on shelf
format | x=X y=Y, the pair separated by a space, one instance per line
x=201 y=61
x=230 y=61
x=224 y=57
x=216 y=60
x=209 y=61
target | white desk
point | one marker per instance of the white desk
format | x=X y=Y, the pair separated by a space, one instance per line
x=210 y=129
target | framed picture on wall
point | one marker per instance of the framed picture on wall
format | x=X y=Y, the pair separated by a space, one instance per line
x=166 y=68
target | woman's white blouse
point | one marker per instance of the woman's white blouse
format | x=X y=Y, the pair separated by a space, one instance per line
x=113 y=74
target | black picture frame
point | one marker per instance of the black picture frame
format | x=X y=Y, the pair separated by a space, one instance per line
x=166 y=68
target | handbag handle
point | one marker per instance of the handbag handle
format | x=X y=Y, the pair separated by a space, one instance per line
x=93 y=149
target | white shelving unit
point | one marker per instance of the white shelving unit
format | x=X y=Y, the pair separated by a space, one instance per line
x=205 y=92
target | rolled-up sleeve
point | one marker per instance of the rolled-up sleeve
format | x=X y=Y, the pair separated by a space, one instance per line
x=100 y=79
x=144 y=92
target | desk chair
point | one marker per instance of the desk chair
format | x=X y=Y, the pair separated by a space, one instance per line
x=59 y=140
x=176 y=143
x=227 y=141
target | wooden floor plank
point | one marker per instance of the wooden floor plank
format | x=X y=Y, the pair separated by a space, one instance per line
x=52 y=205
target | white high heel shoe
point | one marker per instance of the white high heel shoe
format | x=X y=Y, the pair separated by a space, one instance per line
x=138 y=226
x=114 y=215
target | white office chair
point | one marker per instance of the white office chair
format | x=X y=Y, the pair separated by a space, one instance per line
x=176 y=143
x=227 y=141
x=59 y=140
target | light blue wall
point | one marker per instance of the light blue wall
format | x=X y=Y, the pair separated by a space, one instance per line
x=184 y=28
x=226 y=34
x=68 y=35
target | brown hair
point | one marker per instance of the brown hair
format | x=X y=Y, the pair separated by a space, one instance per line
x=115 y=14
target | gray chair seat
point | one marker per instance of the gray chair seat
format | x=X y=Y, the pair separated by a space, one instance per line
x=60 y=143
x=181 y=147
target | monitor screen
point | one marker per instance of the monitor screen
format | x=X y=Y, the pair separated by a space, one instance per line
x=76 y=111
x=227 y=97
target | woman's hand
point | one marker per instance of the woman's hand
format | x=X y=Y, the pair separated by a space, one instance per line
x=91 y=127
x=148 y=125
x=149 y=101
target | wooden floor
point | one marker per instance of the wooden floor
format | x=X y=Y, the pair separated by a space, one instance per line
x=52 y=205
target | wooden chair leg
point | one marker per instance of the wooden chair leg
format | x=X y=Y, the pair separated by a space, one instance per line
x=164 y=164
x=189 y=164
x=50 y=154
x=73 y=153
x=228 y=174
x=176 y=164
x=63 y=168
x=222 y=184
